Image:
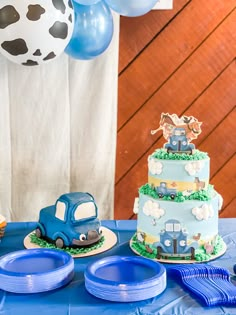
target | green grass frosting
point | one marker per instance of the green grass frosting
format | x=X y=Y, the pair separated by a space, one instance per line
x=162 y=154
x=203 y=195
x=200 y=253
x=73 y=251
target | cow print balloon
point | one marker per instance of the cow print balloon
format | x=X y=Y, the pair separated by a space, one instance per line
x=33 y=32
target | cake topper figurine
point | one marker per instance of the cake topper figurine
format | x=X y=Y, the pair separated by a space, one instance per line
x=179 y=132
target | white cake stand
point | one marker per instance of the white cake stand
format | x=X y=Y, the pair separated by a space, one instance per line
x=110 y=239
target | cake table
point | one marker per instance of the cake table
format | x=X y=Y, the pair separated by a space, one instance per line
x=73 y=298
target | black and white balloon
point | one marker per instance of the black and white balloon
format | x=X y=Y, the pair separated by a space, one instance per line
x=34 y=32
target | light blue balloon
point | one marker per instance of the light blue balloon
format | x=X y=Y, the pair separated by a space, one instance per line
x=86 y=2
x=93 y=31
x=131 y=7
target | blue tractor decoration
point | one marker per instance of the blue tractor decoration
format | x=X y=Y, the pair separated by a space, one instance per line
x=173 y=242
x=162 y=191
x=178 y=142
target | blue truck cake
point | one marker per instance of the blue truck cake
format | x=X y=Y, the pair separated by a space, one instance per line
x=72 y=221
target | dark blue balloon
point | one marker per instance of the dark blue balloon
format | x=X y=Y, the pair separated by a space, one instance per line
x=131 y=7
x=93 y=31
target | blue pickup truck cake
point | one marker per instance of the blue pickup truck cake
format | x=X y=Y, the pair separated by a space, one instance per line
x=72 y=221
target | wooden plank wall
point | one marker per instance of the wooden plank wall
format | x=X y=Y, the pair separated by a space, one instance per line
x=178 y=61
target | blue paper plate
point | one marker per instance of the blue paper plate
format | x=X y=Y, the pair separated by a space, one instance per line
x=125 y=278
x=35 y=270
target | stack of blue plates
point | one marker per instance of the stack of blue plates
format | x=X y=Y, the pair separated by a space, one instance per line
x=35 y=270
x=125 y=278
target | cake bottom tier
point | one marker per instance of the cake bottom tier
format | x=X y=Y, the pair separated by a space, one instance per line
x=169 y=230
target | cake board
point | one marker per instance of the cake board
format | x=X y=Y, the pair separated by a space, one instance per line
x=110 y=239
x=182 y=261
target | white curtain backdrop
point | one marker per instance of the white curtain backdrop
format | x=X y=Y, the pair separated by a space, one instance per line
x=58 y=132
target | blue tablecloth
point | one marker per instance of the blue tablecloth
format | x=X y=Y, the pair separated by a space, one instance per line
x=74 y=299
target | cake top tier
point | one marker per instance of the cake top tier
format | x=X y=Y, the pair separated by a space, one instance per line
x=179 y=132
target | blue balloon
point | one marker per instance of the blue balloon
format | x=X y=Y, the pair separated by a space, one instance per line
x=131 y=7
x=93 y=31
x=86 y=2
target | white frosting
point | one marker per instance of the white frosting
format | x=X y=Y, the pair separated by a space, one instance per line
x=153 y=209
x=2 y=219
x=154 y=166
x=194 y=167
x=136 y=205
x=204 y=213
x=220 y=201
